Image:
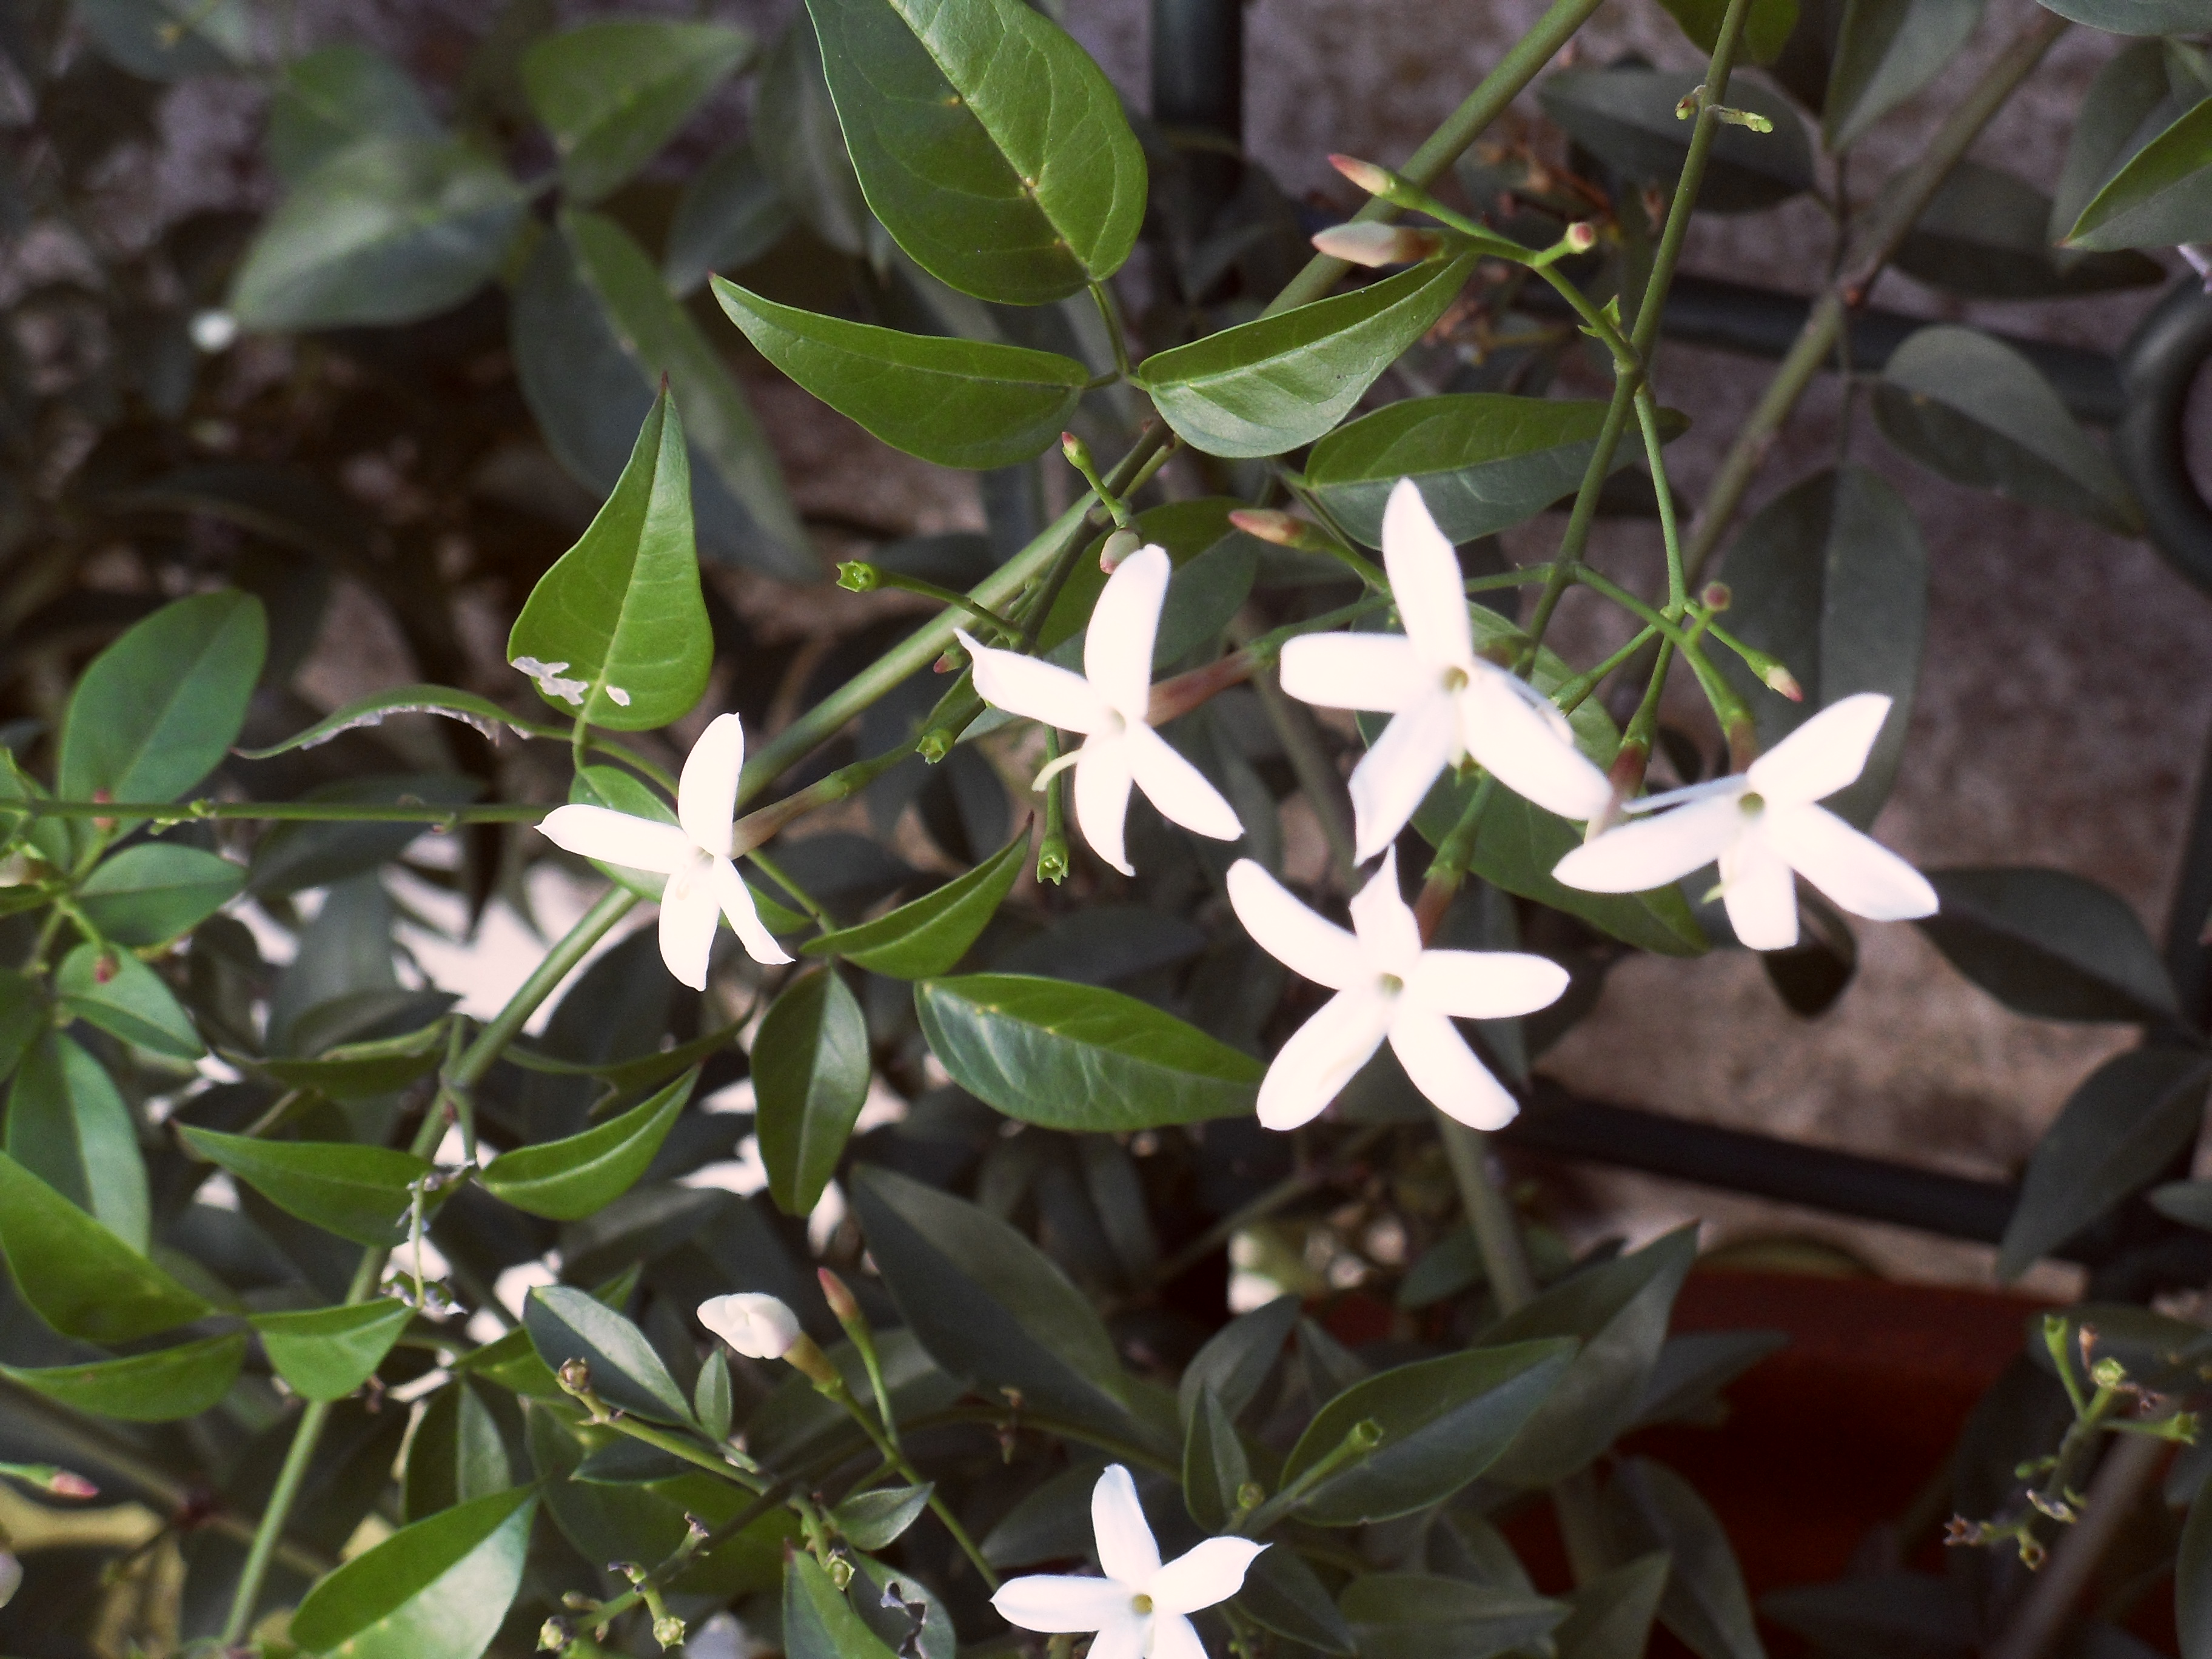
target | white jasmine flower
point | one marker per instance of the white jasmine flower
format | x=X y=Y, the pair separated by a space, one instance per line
x=1140 y=1608
x=1108 y=704
x=758 y=1327
x=693 y=852
x=1445 y=703
x=1386 y=986
x=548 y=675
x=1761 y=824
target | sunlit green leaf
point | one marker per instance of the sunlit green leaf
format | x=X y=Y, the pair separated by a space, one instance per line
x=153 y=890
x=360 y=1192
x=811 y=1069
x=78 y=1276
x=124 y=997
x=437 y=1590
x=565 y=1324
x=67 y=1125
x=929 y=934
x=326 y=1353
x=611 y=92
x=565 y=1179
x=149 y=1388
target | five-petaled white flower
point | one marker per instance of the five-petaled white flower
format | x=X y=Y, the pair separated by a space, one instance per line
x=1140 y=1609
x=1758 y=825
x=1386 y=986
x=759 y=1326
x=1108 y=704
x=693 y=852
x=1445 y=703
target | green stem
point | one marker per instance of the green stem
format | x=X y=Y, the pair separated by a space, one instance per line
x=944 y=596
x=166 y=813
x=1572 y=693
x=757 y=828
x=1105 y=303
x=1647 y=418
x=1052 y=862
x=571 y=949
x=677 y=1446
x=807 y=902
x=890 y=1453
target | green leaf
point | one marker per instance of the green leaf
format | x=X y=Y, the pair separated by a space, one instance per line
x=646 y=1071
x=329 y=99
x=1236 y=1358
x=152 y=891
x=1413 y=1615
x=1483 y=461
x=1284 y=1594
x=2116 y=1133
x=1445 y=1421
x=1215 y=563
x=1613 y=1614
x=2138 y=17
x=67 y=1125
x=437 y=1590
x=1831 y=577
x=1986 y=236
x=124 y=997
x=456 y=1454
x=1214 y=1465
x=326 y=1353
x=931 y=934
x=729 y=215
x=1625 y=117
x=871 y=1520
x=168 y=40
x=1264 y=387
x=958 y=403
x=810 y=1068
x=801 y=147
x=160 y=1387
x=1972 y=410
x=594 y=330
x=481 y=713
x=565 y=1324
x=388 y=230
x=153 y=713
x=78 y=1276
x=990 y=146
x=986 y=1303
x=819 y=1622
x=617 y=631
x=302 y=853
x=1079 y=1057
x=2049 y=945
x=360 y=1192
x=710 y=1396
x=2130 y=102
x=24 y=1016
x=2161 y=196
x=355 y=1071
x=1888 y=51
x=613 y=91
x=1766 y=28
x=1619 y=1312
x=567 y=1180
x=1652 y=1508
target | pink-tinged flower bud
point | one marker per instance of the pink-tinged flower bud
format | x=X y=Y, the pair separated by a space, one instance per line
x=103 y=971
x=1718 y=596
x=759 y=1327
x=62 y=1483
x=1366 y=242
x=838 y=1296
x=1375 y=180
x=1779 y=678
x=1119 y=546
x=1078 y=451
x=1269 y=525
x=1581 y=236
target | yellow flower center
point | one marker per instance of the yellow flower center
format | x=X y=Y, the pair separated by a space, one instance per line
x=1751 y=804
x=1142 y=1603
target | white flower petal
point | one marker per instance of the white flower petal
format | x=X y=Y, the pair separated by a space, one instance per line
x=1054 y=1602
x=1381 y=672
x=1760 y=893
x=1484 y=984
x=1634 y=858
x=1387 y=786
x=1179 y=789
x=1308 y=944
x=1729 y=783
x=1126 y=1548
x=1212 y=1571
x=1125 y=1638
x=1426 y=579
x=1102 y=798
x=1823 y=755
x=736 y=900
x=759 y=1326
x=1856 y=870
x=1530 y=751
x=1389 y=934
x=707 y=793
x=1117 y=648
x=613 y=837
x=1443 y=1067
x=1323 y=1055
x=1173 y=1637
x=688 y=916
x=1036 y=691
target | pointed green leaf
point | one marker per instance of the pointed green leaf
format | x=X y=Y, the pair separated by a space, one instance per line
x=810 y=1068
x=613 y=91
x=2138 y=17
x=2129 y=103
x=457 y=1454
x=355 y=1071
x=819 y=1622
x=565 y=1323
x=67 y=1125
x=567 y=1180
x=326 y=1353
x=730 y=215
x=1625 y=116
x=482 y=713
x=2049 y=945
x=1284 y=1594
x=437 y=1590
x=1704 y=1603
x=360 y=1192
x=1613 y=1614
x=987 y=142
x=327 y=99
x=1214 y=1465
x=1766 y=28
x=871 y=1520
x=25 y=1017
x=153 y=892
x=149 y=1388
x=2162 y=196
x=79 y=1277
x=1986 y=235
x=1236 y=1358
x=802 y=148
x=1264 y=387
x=958 y=403
x=124 y=997
x=1413 y=1615
x=931 y=934
x=710 y=1396
x=1888 y=51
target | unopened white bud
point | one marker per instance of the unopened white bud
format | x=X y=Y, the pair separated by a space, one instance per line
x=1366 y=242
x=759 y=1327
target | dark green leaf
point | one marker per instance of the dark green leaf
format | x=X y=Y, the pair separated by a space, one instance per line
x=325 y=101
x=567 y=1180
x=2161 y=196
x=618 y=628
x=1236 y=1360
x=564 y=1324
x=958 y=403
x=2117 y=1132
x=1214 y=1466
x=69 y=1125
x=1264 y=387
x=482 y=713
x=387 y=230
x=1972 y=410
x=1613 y=1614
x=149 y=1388
x=326 y=1353
x=24 y=1016
x=360 y=1192
x=168 y=40
x=1652 y=1508
x=457 y=1454
x=1214 y=565
x=152 y=891
x=77 y=1276
x=710 y=1397
x=613 y=91
x=1888 y=51
x=1883 y=1616
x=1411 y=1616
x=124 y=997
x=990 y=146
x=932 y=933
x=2139 y=17
x=2049 y=945
x=1986 y=236
x=2130 y=102
x=870 y=1520
x=811 y=1069
x=437 y=1590
x=801 y=147
x=1445 y=1421
x=1080 y=1057
x=1695 y=1367
x=796 y=1424
x=153 y=713
x=1625 y=117
x=1765 y=30
x=637 y=1071
x=1051 y=1522
x=819 y=1622
x=303 y=854
x=1284 y=1594
x=1483 y=461
x=355 y=1071
x=731 y=213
